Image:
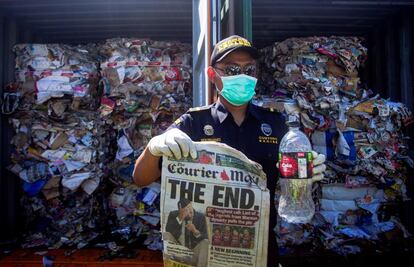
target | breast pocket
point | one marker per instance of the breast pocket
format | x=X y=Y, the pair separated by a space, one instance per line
x=264 y=153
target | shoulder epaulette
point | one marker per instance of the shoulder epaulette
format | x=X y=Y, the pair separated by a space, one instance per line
x=271 y=109
x=267 y=109
x=199 y=108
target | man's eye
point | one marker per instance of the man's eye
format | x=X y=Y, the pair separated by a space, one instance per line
x=233 y=70
x=250 y=70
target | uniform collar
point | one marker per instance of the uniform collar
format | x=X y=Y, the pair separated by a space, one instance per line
x=219 y=110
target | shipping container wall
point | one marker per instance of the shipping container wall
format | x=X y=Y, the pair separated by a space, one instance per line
x=391 y=58
x=11 y=32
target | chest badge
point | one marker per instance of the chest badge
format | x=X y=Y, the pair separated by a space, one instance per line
x=266 y=129
x=208 y=130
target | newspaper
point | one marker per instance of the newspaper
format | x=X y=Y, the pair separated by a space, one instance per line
x=214 y=209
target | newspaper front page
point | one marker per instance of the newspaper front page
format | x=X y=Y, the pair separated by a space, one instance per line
x=214 y=209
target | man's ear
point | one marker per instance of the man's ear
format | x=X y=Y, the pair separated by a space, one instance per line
x=214 y=78
x=211 y=74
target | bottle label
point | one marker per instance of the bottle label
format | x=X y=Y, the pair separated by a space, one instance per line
x=296 y=165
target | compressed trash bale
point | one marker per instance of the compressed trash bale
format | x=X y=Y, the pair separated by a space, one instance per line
x=316 y=79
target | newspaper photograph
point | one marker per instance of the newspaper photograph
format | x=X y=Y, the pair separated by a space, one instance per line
x=214 y=209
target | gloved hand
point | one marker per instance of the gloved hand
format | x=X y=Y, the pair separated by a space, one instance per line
x=318 y=166
x=173 y=142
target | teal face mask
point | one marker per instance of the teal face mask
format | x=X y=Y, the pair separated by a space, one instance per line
x=238 y=89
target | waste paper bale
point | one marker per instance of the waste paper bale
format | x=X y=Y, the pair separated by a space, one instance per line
x=361 y=134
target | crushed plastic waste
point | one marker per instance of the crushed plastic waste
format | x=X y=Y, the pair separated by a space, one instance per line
x=362 y=135
x=56 y=70
x=81 y=115
x=146 y=86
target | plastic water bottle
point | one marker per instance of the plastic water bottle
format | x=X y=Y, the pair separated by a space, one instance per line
x=295 y=167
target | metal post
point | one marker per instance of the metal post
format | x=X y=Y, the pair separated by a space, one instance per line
x=236 y=18
x=232 y=23
x=202 y=36
x=247 y=20
x=214 y=35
